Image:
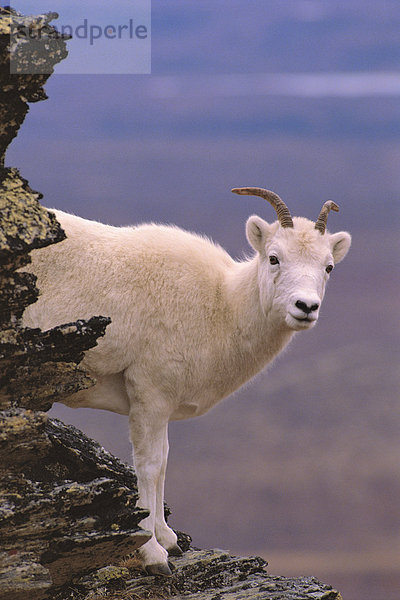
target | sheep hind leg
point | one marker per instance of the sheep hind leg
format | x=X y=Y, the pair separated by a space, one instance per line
x=165 y=535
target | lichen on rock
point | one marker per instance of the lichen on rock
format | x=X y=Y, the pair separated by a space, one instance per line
x=25 y=224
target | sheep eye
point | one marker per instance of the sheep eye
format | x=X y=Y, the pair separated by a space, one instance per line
x=273 y=260
x=329 y=268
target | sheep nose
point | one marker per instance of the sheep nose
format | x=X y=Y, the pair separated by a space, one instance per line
x=306 y=308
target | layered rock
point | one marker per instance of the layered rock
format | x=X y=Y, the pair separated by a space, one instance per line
x=198 y=575
x=66 y=507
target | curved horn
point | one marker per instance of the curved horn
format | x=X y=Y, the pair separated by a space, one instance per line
x=284 y=216
x=320 y=223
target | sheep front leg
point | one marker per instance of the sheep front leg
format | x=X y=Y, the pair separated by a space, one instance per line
x=148 y=433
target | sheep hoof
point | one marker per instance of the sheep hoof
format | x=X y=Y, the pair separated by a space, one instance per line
x=159 y=569
x=175 y=550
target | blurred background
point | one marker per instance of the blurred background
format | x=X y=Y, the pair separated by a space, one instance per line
x=302 y=97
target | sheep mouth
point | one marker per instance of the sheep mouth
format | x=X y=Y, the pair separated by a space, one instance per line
x=299 y=323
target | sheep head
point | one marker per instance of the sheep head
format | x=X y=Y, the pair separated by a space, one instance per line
x=295 y=258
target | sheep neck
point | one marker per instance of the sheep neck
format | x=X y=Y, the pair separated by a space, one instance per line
x=258 y=335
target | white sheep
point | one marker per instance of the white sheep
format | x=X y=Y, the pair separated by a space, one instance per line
x=189 y=324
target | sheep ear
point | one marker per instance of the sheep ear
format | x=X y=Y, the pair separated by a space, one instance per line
x=340 y=245
x=258 y=232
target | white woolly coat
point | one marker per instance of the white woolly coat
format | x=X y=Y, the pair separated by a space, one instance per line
x=185 y=316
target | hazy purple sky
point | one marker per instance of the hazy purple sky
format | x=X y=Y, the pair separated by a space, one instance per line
x=299 y=96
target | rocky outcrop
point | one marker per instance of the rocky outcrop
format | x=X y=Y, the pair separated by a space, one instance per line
x=29 y=49
x=65 y=507
x=69 y=520
x=198 y=575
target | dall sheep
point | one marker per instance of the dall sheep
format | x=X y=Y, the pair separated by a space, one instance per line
x=189 y=325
